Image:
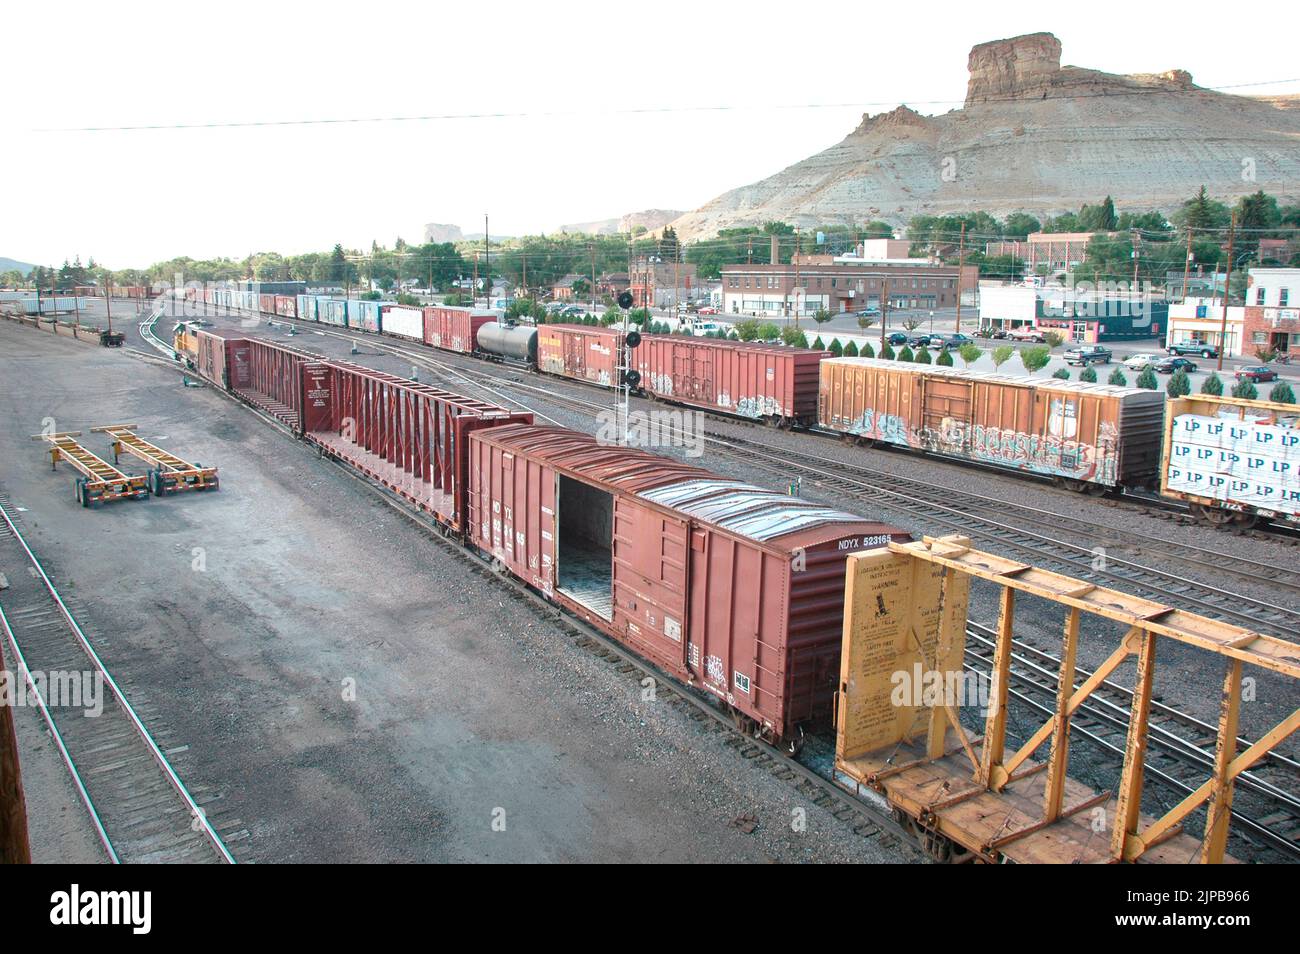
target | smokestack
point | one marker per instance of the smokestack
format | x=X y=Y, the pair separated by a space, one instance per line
x=776 y=250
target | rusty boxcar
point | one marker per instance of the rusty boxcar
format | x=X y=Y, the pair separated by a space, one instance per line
x=1233 y=461
x=454 y=329
x=411 y=438
x=749 y=379
x=582 y=352
x=729 y=587
x=1090 y=437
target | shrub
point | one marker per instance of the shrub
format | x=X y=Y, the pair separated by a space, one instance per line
x=1179 y=384
x=866 y=351
x=1282 y=393
x=1001 y=355
x=1035 y=358
x=836 y=349
x=969 y=353
x=770 y=331
x=944 y=359
x=850 y=350
x=1062 y=373
x=906 y=355
x=1089 y=375
x=1147 y=379
x=1213 y=385
x=1245 y=390
x=1117 y=378
x=747 y=329
x=887 y=352
x=1053 y=339
x=923 y=355
x=817 y=345
x=790 y=335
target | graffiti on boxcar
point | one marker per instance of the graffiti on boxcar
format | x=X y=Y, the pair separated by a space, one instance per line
x=661 y=383
x=1056 y=453
x=758 y=407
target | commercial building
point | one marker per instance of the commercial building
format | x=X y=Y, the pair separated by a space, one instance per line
x=1083 y=315
x=1054 y=251
x=1272 y=313
x=845 y=283
x=655 y=283
x=1201 y=319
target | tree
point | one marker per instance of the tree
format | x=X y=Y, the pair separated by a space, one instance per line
x=1256 y=214
x=1089 y=374
x=851 y=350
x=1282 y=393
x=1053 y=339
x=944 y=359
x=1200 y=213
x=1001 y=355
x=817 y=345
x=770 y=331
x=1117 y=378
x=1245 y=390
x=1147 y=379
x=821 y=316
x=969 y=353
x=1179 y=384
x=923 y=355
x=865 y=321
x=793 y=337
x=1035 y=358
x=866 y=351
x=835 y=348
x=887 y=352
x=912 y=323
x=581 y=288
x=1098 y=218
x=1062 y=373
x=1019 y=225
x=747 y=329
x=906 y=355
x=1213 y=385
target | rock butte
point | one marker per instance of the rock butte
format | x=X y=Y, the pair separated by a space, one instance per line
x=1033 y=136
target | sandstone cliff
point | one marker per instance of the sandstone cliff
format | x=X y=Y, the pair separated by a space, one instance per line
x=1037 y=136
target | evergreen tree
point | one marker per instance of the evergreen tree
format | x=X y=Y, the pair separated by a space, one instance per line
x=851 y=350
x=1179 y=384
x=1089 y=375
x=1213 y=385
x=1282 y=393
x=866 y=351
x=1245 y=390
x=836 y=349
x=906 y=355
x=944 y=359
x=1062 y=373
x=887 y=352
x=1147 y=379
x=922 y=356
x=1117 y=378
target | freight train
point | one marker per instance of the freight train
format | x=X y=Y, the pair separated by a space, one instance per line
x=1090 y=438
x=732 y=589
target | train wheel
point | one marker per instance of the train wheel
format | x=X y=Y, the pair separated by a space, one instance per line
x=1214 y=516
x=793 y=745
x=1096 y=490
x=1246 y=521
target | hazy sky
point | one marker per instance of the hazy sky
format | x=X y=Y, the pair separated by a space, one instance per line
x=132 y=198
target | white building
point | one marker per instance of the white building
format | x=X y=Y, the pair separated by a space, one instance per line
x=1201 y=319
x=1273 y=287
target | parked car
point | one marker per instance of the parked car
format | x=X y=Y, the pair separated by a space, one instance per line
x=951 y=342
x=1140 y=362
x=1088 y=354
x=1026 y=334
x=573 y=311
x=707 y=310
x=869 y=312
x=702 y=329
x=1170 y=365
x=1202 y=348
x=1256 y=373
x=918 y=341
x=896 y=338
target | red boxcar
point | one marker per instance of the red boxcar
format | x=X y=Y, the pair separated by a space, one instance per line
x=583 y=352
x=266 y=304
x=748 y=379
x=454 y=329
x=729 y=587
x=220 y=360
x=270 y=377
x=286 y=306
x=411 y=438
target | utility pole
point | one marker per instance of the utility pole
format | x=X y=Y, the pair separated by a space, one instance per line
x=796 y=278
x=474 y=291
x=1227 y=284
x=1187 y=269
x=108 y=306
x=523 y=257
x=487 y=265
x=884 y=306
x=1135 y=261
x=591 y=246
x=961 y=260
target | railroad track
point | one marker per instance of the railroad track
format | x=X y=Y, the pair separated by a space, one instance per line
x=151 y=338
x=140 y=808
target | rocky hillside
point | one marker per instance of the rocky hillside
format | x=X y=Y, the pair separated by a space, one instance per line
x=1034 y=136
x=650 y=219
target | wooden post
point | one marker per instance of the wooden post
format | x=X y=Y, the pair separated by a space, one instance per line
x=995 y=726
x=1129 y=804
x=14 y=846
x=1059 y=761
x=1218 y=812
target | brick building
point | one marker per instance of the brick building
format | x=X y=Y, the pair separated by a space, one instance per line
x=1056 y=251
x=844 y=284
x=655 y=283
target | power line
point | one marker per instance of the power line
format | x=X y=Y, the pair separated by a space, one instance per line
x=641 y=110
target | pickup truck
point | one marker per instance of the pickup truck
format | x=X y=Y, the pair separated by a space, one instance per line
x=1202 y=348
x=1088 y=354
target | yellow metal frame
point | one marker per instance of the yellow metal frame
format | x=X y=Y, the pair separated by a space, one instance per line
x=1148 y=624
x=173 y=474
x=103 y=480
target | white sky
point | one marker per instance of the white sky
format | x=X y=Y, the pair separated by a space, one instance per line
x=132 y=198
